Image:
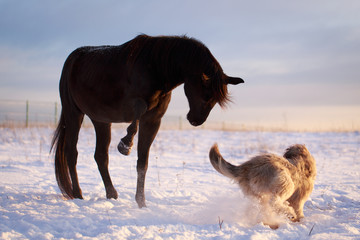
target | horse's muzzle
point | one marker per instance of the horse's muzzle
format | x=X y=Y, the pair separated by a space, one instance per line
x=195 y=122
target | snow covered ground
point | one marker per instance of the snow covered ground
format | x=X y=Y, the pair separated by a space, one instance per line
x=186 y=197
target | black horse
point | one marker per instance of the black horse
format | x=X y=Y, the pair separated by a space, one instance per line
x=131 y=83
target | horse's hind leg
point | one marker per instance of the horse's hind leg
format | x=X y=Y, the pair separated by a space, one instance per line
x=103 y=137
x=126 y=142
x=73 y=125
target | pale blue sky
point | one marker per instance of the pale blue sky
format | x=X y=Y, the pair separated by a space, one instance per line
x=290 y=53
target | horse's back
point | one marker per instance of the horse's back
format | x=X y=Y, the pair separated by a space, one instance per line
x=104 y=85
x=96 y=79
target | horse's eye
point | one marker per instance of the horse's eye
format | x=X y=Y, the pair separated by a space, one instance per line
x=205 y=80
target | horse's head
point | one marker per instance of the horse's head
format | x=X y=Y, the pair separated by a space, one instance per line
x=203 y=92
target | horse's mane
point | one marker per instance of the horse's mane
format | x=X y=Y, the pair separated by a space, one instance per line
x=174 y=56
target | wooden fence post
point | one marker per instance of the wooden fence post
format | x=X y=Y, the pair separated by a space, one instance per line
x=27 y=114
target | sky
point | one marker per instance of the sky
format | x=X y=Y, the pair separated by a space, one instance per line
x=299 y=59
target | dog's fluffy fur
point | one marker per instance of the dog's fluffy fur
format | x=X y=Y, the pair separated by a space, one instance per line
x=280 y=183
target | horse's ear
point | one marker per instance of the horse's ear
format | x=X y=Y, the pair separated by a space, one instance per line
x=233 y=80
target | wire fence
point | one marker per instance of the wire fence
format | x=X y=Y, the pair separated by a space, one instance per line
x=26 y=113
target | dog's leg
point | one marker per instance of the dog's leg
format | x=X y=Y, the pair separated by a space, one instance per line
x=267 y=212
x=298 y=207
x=282 y=190
x=281 y=206
x=297 y=202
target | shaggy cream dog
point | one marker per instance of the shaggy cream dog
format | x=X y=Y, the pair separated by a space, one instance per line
x=281 y=184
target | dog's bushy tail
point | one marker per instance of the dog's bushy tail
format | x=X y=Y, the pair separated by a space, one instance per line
x=220 y=164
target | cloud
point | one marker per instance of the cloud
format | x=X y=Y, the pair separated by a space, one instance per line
x=28 y=73
x=275 y=46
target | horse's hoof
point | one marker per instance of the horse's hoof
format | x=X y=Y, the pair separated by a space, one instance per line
x=111 y=194
x=141 y=205
x=78 y=196
x=123 y=148
x=140 y=201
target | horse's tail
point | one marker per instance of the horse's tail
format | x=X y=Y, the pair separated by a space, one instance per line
x=61 y=166
x=58 y=142
x=221 y=165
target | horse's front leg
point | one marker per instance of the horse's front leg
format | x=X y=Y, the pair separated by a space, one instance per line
x=147 y=133
x=126 y=142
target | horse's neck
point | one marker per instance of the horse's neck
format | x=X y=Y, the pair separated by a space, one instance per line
x=172 y=83
x=177 y=76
